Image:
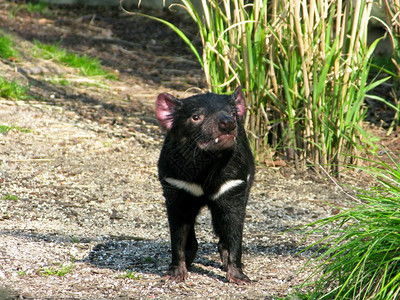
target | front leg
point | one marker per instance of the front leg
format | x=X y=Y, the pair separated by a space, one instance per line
x=231 y=262
x=228 y=223
x=182 y=210
x=179 y=233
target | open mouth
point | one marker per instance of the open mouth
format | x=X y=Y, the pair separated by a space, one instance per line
x=222 y=141
x=224 y=138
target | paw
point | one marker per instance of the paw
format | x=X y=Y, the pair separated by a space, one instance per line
x=234 y=275
x=177 y=273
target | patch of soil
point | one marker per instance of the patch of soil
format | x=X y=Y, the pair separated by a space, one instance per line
x=132 y=45
x=78 y=177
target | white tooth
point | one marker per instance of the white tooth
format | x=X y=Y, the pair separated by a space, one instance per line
x=216 y=140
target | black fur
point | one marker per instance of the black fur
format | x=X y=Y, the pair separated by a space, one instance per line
x=206 y=146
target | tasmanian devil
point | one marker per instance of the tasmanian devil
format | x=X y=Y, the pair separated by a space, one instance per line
x=205 y=161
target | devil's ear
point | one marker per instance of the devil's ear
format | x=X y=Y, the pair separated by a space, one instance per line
x=166 y=104
x=239 y=101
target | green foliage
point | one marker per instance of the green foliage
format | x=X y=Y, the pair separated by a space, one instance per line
x=6 y=47
x=149 y=259
x=8 y=196
x=12 y=89
x=21 y=273
x=60 y=80
x=384 y=63
x=130 y=274
x=362 y=259
x=60 y=271
x=74 y=239
x=304 y=68
x=88 y=66
x=6 y=128
x=40 y=8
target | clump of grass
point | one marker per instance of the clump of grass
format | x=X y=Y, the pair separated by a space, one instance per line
x=7 y=50
x=87 y=66
x=149 y=259
x=130 y=274
x=21 y=273
x=362 y=260
x=40 y=8
x=8 y=196
x=60 y=80
x=6 y=128
x=74 y=239
x=12 y=89
x=60 y=271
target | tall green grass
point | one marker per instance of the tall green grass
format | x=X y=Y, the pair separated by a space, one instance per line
x=362 y=259
x=303 y=65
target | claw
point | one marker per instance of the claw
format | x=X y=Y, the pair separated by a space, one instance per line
x=177 y=274
x=237 y=276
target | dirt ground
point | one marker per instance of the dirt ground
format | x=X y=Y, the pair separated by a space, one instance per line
x=78 y=180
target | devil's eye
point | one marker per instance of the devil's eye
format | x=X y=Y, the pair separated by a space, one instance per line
x=196 y=117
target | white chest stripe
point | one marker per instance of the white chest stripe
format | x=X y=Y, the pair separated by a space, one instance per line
x=196 y=190
x=230 y=184
x=192 y=188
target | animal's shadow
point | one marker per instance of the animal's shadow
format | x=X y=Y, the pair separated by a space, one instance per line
x=153 y=256
x=149 y=257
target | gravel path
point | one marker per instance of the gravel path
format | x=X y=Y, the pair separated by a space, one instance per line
x=81 y=210
x=77 y=197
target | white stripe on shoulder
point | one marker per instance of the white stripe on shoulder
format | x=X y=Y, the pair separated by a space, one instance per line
x=230 y=184
x=192 y=188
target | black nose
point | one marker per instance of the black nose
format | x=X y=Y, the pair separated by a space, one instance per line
x=226 y=124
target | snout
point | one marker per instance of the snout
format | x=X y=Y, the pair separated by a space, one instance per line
x=219 y=133
x=226 y=124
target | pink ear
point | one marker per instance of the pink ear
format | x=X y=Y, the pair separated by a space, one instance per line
x=165 y=106
x=239 y=101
